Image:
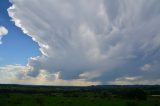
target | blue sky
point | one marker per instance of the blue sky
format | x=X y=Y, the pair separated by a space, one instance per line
x=16 y=47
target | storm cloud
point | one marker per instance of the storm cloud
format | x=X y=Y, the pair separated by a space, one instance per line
x=95 y=40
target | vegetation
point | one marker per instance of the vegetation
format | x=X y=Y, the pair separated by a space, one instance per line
x=16 y=95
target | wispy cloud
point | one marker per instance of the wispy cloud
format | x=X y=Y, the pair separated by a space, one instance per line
x=3 y=31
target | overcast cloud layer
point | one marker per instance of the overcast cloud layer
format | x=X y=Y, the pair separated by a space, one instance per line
x=3 y=31
x=110 y=41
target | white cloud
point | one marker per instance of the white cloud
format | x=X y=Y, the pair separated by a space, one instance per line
x=146 y=67
x=90 y=75
x=78 y=37
x=9 y=73
x=134 y=81
x=16 y=74
x=3 y=31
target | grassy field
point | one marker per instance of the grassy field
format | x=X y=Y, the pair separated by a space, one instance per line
x=107 y=95
x=60 y=100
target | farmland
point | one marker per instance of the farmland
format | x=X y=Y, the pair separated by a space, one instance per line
x=107 y=95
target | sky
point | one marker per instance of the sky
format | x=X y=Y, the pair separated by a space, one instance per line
x=80 y=42
x=16 y=47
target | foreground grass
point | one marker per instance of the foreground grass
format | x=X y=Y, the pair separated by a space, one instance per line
x=60 y=100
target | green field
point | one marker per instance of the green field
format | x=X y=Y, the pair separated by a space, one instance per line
x=15 y=95
x=49 y=100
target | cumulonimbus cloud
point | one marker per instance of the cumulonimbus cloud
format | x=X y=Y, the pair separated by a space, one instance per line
x=95 y=40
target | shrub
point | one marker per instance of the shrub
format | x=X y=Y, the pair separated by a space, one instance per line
x=131 y=103
x=136 y=94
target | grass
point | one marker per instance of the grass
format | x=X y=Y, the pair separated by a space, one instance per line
x=18 y=99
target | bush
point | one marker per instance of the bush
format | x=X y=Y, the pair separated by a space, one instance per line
x=40 y=100
x=131 y=103
x=136 y=94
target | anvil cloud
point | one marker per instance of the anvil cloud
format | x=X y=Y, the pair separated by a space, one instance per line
x=108 y=41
